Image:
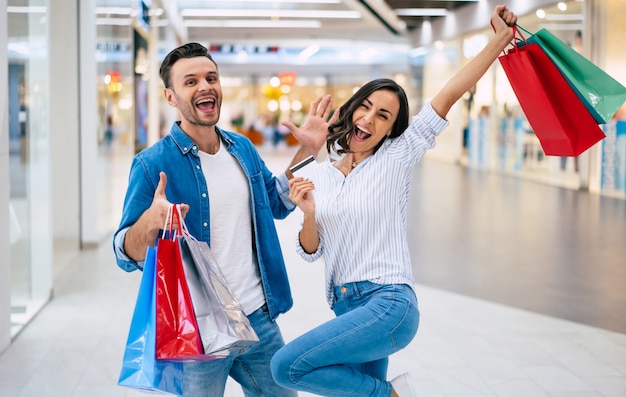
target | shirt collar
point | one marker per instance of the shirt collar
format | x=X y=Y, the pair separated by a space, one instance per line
x=186 y=144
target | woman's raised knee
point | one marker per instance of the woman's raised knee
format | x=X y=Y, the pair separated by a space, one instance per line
x=280 y=367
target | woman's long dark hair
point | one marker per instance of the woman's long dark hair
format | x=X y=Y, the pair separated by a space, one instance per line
x=340 y=131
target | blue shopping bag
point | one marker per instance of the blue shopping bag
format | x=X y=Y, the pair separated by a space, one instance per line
x=140 y=368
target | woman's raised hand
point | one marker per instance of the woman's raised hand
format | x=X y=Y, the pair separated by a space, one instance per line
x=313 y=132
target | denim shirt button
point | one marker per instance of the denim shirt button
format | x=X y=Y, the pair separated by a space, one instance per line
x=205 y=224
x=197 y=167
x=203 y=195
x=193 y=148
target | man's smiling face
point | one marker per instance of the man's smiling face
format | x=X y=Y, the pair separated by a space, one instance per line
x=196 y=91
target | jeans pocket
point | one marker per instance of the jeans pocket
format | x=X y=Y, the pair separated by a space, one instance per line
x=404 y=332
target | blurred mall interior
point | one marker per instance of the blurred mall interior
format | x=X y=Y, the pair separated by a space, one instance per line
x=84 y=95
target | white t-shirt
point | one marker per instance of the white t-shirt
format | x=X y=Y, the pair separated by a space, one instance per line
x=231 y=226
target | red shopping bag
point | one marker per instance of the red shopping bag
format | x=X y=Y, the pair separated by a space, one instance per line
x=177 y=335
x=560 y=120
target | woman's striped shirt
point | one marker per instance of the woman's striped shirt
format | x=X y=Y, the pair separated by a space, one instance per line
x=361 y=218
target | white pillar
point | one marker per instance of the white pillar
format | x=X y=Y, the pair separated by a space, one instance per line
x=90 y=168
x=64 y=117
x=169 y=113
x=154 y=84
x=5 y=263
x=39 y=185
x=594 y=48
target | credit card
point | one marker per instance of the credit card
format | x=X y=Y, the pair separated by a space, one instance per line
x=306 y=168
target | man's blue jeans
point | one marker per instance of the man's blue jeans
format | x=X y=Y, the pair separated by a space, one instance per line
x=348 y=355
x=250 y=368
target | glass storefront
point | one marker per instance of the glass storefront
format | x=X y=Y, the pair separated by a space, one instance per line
x=29 y=158
x=116 y=121
x=612 y=180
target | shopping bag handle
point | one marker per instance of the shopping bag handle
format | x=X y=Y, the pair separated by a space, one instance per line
x=174 y=215
x=168 y=222
x=517 y=35
x=517 y=26
x=182 y=226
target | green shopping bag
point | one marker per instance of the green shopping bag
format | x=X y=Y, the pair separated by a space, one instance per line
x=601 y=94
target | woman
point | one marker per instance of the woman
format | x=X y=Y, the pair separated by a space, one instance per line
x=355 y=217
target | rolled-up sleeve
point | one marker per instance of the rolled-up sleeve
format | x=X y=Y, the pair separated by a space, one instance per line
x=124 y=260
x=282 y=185
x=312 y=257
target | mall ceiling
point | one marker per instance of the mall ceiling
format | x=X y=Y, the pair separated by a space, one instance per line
x=316 y=34
x=276 y=21
x=320 y=35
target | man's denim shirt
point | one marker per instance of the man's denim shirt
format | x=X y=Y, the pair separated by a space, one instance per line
x=177 y=156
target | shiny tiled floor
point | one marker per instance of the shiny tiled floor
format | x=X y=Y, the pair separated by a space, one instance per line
x=551 y=250
x=467 y=346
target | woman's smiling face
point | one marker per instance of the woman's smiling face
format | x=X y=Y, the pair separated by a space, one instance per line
x=373 y=120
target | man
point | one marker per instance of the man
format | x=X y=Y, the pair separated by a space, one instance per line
x=230 y=200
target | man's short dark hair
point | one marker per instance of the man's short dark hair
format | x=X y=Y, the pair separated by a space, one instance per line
x=189 y=50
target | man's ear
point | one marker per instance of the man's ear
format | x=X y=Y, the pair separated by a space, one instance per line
x=169 y=97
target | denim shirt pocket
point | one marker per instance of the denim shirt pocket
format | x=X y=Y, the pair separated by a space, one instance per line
x=259 y=191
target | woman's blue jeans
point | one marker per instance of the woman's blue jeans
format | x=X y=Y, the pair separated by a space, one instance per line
x=348 y=355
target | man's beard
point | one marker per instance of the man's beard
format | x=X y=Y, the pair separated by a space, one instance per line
x=188 y=111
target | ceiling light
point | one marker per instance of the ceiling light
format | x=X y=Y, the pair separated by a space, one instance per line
x=564 y=17
x=230 y=13
x=247 y=23
x=562 y=6
x=421 y=12
x=540 y=13
x=563 y=26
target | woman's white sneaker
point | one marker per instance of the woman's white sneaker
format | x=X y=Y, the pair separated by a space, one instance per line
x=403 y=385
